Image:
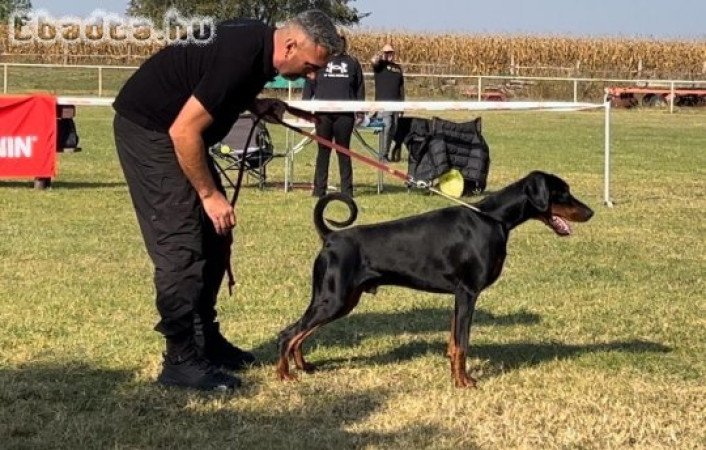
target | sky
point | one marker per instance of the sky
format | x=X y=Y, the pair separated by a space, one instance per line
x=660 y=19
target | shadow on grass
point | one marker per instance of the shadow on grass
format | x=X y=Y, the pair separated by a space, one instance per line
x=17 y=184
x=355 y=327
x=75 y=405
x=352 y=330
x=508 y=356
x=67 y=185
x=516 y=355
x=59 y=184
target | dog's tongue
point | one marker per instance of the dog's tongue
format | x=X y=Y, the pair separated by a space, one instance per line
x=561 y=227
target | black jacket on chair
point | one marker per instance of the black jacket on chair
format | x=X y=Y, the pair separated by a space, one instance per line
x=437 y=145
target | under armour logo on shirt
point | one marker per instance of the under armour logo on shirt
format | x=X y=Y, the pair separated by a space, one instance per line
x=336 y=70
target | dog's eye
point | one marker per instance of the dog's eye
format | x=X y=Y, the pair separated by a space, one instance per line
x=560 y=195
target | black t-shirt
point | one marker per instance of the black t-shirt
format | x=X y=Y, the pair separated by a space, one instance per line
x=225 y=75
x=389 y=81
x=341 y=79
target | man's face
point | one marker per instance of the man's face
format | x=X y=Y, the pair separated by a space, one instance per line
x=389 y=56
x=300 y=57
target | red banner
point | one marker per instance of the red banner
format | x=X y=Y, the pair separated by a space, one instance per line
x=28 y=136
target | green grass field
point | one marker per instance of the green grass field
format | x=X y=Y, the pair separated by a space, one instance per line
x=596 y=341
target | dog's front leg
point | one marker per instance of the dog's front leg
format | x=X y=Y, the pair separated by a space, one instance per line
x=451 y=347
x=460 y=332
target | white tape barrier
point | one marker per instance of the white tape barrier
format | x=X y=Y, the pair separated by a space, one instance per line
x=85 y=101
x=364 y=106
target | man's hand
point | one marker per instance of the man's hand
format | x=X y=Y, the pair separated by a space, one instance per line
x=272 y=110
x=359 y=119
x=220 y=212
x=269 y=109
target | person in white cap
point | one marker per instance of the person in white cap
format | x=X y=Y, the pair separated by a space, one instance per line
x=389 y=86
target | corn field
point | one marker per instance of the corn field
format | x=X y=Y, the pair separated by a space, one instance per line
x=454 y=54
x=451 y=54
x=534 y=55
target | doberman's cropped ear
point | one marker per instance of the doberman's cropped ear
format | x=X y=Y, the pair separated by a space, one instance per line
x=537 y=191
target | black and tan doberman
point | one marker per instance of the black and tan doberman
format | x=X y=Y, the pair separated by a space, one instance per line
x=454 y=250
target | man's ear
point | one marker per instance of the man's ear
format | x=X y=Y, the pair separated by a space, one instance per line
x=537 y=192
x=290 y=46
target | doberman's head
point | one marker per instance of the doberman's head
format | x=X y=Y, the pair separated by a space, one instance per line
x=552 y=203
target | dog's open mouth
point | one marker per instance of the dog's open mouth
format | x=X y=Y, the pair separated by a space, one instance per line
x=559 y=225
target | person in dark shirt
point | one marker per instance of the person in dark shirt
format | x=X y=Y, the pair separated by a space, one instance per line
x=341 y=79
x=181 y=101
x=389 y=86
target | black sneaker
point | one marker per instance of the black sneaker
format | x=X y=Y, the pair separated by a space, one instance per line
x=195 y=373
x=222 y=353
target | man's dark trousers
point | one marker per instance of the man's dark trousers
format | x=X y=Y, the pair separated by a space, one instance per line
x=339 y=128
x=189 y=257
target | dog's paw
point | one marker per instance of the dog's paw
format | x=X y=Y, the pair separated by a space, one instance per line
x=464 y=381
x=286 y=376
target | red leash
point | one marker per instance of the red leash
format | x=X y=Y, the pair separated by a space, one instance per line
x=346 y=151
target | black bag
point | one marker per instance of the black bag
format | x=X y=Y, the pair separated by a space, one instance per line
x=437 y=145
x=67 y=136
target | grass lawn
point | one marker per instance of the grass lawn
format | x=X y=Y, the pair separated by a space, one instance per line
x=596 y=341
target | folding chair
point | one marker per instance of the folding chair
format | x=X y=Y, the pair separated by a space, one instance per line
x=229 y=153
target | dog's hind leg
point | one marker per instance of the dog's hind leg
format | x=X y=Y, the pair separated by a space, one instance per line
x=334 y=295
x=323 y=316
x=290 y=342
x=296 y=332
x=285 y=341
x=460 y=333
x=298 y=354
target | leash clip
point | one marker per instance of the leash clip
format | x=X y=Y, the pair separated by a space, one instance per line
x=421 y=184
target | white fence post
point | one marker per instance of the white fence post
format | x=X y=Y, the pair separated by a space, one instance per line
x=512 y=64
x=480 y=86
x=671 y=97
x=100 y=82
x=606 y=163
x=576 y=91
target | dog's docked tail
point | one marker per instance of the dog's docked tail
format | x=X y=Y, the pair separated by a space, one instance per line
x=319 y=222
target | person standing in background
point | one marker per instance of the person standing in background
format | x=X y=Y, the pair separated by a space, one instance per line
x=341 y=79
x=389 y=86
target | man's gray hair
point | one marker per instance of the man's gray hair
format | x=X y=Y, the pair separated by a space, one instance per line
x=320 y=29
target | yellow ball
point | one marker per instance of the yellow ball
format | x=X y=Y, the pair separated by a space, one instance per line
x=451 y=183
